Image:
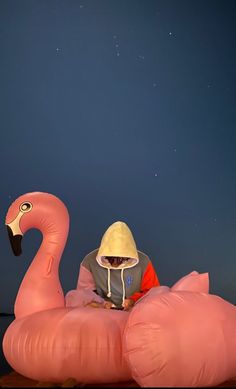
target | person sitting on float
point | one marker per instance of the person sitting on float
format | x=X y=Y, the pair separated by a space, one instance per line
x=117 y=272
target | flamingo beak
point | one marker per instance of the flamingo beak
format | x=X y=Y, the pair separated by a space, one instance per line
x=15 y=241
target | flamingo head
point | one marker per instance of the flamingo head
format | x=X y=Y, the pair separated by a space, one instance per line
x=38 y=210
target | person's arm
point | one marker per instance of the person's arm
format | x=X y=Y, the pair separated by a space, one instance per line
x=149 y=280
x=85 y=280
x=85 y=292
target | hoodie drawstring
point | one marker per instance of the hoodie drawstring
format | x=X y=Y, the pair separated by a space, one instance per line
x=109 y=284
x=123 y=285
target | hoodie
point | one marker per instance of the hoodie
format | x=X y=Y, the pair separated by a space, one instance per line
x=131 y=279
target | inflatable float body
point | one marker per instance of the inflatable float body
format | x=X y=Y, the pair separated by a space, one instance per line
x=172 y=337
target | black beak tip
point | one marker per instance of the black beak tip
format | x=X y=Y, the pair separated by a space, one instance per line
x=15 y=241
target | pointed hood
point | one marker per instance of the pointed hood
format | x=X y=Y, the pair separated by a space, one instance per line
x=118 y=241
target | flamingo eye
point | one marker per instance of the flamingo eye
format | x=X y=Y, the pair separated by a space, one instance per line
x=26 y=207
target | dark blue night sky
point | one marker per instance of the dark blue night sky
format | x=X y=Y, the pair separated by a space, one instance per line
x=125 y=110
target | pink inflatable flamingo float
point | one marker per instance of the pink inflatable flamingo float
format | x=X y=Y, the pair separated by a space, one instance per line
x=48 y=341
x=179 y=336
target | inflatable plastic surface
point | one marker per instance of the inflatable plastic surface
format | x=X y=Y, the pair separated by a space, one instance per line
x=48 y=341
x=173 y=336
x=181 y=339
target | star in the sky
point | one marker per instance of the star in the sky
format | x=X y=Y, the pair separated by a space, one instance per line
x=117 y=47
x=156 y=175
x=58 y=49
x=141 y=56
x=175 y=150
x=170 y=33
x=154 y=85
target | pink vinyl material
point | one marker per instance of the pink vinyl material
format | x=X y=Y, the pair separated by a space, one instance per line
x=61 y=343
x=40 y=288
x=193 y=281
x=181 y=339
x=48 y=341
x=173 y=336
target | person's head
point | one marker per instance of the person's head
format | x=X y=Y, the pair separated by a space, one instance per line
x=116 y=261
x=117 y=248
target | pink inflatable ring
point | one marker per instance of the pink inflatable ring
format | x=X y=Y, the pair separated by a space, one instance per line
x=179 y=336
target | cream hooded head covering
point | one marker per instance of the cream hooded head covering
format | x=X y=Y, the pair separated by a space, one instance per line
x=117 y=241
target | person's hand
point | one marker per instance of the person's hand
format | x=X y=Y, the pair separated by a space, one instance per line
x=94 y=304
x=128 y=303
x=107 y=304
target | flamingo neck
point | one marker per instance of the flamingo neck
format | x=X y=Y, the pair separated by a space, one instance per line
x=41 y=288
